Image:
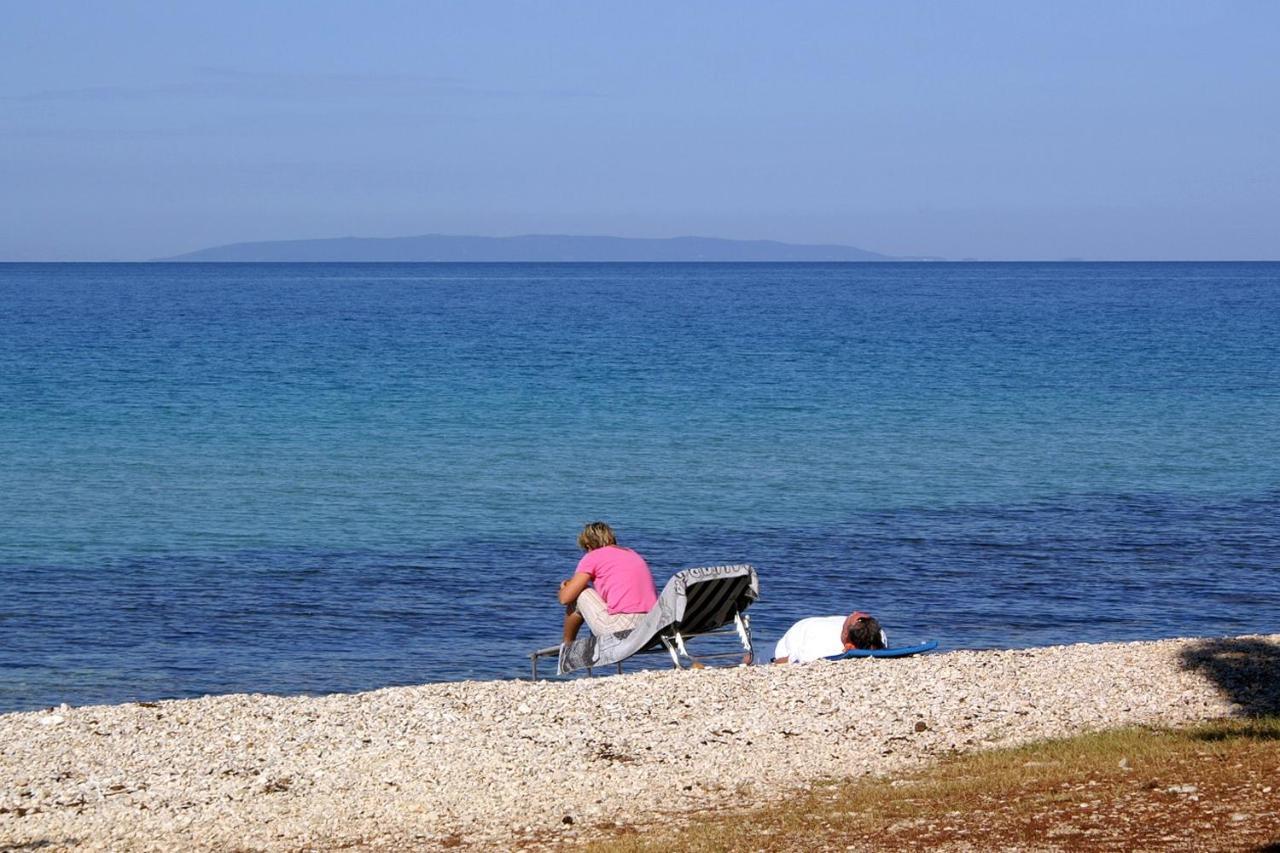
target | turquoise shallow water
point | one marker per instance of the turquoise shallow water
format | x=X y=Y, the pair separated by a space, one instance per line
x=330 y=477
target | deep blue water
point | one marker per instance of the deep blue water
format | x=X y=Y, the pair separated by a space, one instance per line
x=334 y=477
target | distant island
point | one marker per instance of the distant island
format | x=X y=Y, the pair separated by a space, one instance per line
x=531 y=247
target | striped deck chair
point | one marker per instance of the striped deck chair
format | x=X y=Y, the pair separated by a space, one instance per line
x=694 y=603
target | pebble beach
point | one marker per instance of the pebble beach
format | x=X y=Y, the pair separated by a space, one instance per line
x=500 y=764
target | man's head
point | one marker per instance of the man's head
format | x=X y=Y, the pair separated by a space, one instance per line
x=595 y=535
x=862 y=631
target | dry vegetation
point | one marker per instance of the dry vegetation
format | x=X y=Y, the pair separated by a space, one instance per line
x=1213 y=787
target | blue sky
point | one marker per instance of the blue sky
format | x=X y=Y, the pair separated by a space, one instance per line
x=1108 y=130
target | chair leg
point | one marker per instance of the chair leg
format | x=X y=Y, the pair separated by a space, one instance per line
x=743 y=624
x=671 y=650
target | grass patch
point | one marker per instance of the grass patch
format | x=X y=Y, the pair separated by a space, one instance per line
x=1215 y=785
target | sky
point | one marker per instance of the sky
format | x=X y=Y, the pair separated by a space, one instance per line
x=994 y=130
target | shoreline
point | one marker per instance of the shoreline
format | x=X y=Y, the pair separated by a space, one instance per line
x=498 y=763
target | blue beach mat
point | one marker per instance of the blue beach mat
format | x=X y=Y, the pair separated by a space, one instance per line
x=899 y=652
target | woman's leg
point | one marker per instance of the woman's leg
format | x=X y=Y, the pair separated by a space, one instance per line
x=572 y=622
x=591 y=608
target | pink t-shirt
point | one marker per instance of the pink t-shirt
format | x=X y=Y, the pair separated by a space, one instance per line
x=621 y=577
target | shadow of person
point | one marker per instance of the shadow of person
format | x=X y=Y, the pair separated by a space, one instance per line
x=1245 y=669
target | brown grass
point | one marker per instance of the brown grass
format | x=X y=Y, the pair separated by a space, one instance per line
x=1213 y=787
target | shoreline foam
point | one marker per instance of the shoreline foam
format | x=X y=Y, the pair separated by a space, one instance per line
x=496 y=762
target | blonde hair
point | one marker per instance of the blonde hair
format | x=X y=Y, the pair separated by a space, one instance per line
x=595 y=535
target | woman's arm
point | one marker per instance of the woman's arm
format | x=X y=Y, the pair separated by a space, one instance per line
x=573 y=587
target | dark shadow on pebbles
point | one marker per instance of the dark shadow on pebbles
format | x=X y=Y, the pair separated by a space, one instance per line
x=1245 y=669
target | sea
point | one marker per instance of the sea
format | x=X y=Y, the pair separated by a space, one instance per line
x=312 y=478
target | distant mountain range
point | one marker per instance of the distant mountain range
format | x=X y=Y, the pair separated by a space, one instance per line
x=532 y=247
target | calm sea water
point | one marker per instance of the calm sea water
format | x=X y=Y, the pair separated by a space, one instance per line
x=333 y=477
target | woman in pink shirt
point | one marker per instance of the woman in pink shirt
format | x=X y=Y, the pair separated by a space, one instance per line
x=612 y=588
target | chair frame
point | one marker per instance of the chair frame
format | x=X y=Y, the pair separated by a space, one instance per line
x=674 y=642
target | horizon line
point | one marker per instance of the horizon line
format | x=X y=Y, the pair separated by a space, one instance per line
x=889 y=260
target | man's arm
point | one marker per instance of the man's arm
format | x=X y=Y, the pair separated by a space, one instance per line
x=781 y=652
x=573 y=587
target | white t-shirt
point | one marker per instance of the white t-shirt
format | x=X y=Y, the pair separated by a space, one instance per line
x=810 y=639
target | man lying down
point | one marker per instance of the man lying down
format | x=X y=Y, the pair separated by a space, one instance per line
x=824 y=636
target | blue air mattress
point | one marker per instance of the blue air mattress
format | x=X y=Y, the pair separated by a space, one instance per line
x=900 y=652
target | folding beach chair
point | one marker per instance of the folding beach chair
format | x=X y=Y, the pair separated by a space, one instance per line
x=700 y=602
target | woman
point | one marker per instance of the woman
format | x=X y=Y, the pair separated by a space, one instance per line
x=612 y=588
